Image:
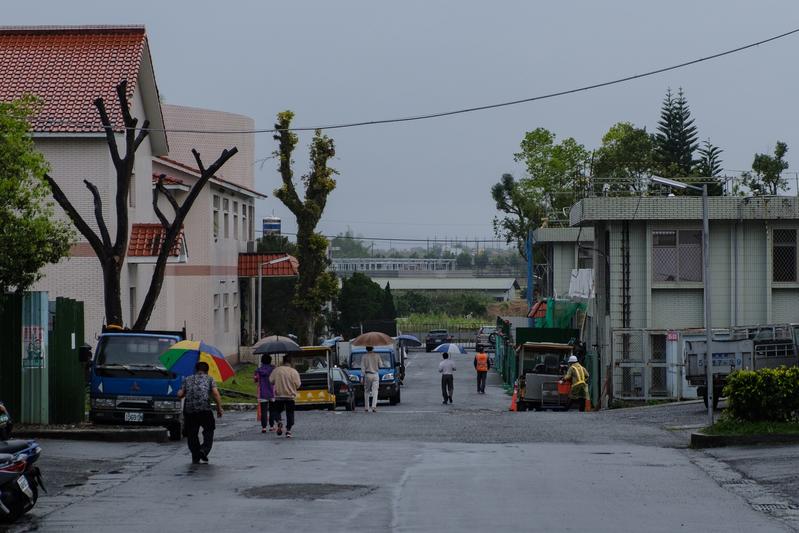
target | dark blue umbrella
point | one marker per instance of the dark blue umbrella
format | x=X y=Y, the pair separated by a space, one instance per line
x=408 y=340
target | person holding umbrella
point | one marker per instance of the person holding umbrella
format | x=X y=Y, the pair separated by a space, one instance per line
x=370 y=366
x=446 y=367
x=266 y=393
x=197 y=390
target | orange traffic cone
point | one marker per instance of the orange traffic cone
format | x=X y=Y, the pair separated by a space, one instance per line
x=587 y=405
x=513 y=398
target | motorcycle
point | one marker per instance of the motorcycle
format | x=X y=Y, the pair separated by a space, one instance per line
x=20 y=478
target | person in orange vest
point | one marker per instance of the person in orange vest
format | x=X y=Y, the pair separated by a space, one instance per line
x=481 y=363
x=577 y=375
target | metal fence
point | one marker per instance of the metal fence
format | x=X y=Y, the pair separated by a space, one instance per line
x=644 y=366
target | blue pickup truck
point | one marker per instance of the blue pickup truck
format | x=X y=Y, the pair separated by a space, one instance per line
x=129 y=385
x=389 y=371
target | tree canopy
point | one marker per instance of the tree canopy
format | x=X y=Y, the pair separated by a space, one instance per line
x=766 y=175
x=30 y=236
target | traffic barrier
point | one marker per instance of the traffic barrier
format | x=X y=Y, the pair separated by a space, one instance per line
x=513 y=398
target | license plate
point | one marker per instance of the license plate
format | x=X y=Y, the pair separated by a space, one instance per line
x=134 y=417
x=22 y=482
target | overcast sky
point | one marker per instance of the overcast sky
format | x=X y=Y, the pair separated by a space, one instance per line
x=340 y=61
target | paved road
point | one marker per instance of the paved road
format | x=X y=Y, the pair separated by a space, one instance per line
x=417 y=466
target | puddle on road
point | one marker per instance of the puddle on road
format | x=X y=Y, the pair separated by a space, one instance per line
x=308 y=491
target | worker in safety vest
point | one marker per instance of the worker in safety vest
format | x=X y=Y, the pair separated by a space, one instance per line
x=481 y=363
x=577 y=375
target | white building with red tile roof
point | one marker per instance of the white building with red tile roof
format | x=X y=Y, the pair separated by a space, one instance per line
x=68 y=68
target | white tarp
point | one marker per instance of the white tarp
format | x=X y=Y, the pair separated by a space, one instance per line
x=581 y=283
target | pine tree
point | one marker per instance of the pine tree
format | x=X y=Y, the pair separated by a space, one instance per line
x=676 y=137
x=708 y=166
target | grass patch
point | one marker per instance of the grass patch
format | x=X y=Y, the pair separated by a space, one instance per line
x=241 y=382
x=732 y=427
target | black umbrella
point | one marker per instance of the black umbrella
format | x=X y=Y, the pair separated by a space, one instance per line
x=275 y=344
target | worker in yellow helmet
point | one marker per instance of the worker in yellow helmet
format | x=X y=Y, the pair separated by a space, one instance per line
x=577 y=375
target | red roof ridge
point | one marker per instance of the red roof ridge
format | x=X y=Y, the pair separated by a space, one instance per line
x=100 y=28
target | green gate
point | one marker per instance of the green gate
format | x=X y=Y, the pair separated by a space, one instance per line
x=11 y=352
x=66 y=373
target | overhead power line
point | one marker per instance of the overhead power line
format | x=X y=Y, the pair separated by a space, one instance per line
x=428 y=116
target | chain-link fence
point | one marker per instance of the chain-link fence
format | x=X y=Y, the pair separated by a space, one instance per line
x=463 y=335
x=643 y=366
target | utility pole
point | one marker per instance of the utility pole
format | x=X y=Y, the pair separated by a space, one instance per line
x=529 y=249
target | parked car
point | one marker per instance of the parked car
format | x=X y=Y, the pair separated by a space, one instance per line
x=345 y=393
x=483 y=339
x=435 y=338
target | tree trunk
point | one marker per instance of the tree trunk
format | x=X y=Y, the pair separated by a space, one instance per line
x=112 y=293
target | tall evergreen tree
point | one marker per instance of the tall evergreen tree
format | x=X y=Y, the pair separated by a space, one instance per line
x=708 y=166
x=676 y=137
x=388 y=310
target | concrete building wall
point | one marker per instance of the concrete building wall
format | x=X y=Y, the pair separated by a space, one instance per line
x=563 y=260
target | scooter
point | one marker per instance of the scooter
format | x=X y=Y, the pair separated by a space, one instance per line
x=20 y=478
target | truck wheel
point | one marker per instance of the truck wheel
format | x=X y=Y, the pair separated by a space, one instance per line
x=394 y=400
x=350 y=405
x=174 y=432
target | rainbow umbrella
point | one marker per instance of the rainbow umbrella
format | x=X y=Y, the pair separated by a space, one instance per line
x=182 y=357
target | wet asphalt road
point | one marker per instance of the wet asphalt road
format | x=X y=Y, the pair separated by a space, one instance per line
x=422 y=466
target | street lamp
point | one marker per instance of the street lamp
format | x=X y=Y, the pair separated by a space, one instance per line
x=709 y=392
x=260 y=288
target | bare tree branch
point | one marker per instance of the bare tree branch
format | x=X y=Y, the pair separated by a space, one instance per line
x=168 y=194
x=74 y=216
x=110 y=136
x=158 y=212
x=98 y=213
x=143 y=132
x=199 y=160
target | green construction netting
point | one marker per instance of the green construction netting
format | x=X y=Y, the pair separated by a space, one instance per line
x=560 y=314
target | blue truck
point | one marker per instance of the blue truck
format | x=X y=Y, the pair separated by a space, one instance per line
x=128 y=385
x=389 y=371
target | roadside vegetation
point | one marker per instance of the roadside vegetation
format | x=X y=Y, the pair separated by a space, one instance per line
x=762 y=402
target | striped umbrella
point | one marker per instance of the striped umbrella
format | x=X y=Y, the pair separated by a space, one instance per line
x=182 y=357
x=449 y=347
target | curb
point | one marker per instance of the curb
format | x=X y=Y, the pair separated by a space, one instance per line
x=700 y=440
x=144 y=434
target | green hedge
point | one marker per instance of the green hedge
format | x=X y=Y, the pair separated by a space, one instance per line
x=770 y=394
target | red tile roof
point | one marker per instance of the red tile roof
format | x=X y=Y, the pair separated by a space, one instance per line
x=68 y=67
x=168 y=180
x=145 y=241
x=249 y=262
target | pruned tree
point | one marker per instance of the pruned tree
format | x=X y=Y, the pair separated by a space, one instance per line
x=112 y=254
x=316 y=286
x=172 y=229
x=522 y=212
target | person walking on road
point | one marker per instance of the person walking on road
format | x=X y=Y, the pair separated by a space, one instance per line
x=577 y=375
x=285 y=381
x=446 y=368
x=266 y=393
x=197 y=390
x=481 y=365
x=370 y=368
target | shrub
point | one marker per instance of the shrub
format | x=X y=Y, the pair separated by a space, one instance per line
x=769 y=394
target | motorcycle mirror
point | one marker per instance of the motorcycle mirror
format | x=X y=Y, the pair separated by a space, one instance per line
x=85 y=353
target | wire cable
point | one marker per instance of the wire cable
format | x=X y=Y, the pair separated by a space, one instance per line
x=428 y=116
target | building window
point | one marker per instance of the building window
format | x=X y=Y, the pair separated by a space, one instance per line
x=225 y=300
x=225 y=205
x=226 y=225
x=585 y=255
x=216 y=310
x=784 y=255
x=132 y=189
x=216 y=216
x=245 y=231
x=677 y=255
x=133 y=306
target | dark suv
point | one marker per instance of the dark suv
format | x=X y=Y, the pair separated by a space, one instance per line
x=483 y=339
x=435 y=338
